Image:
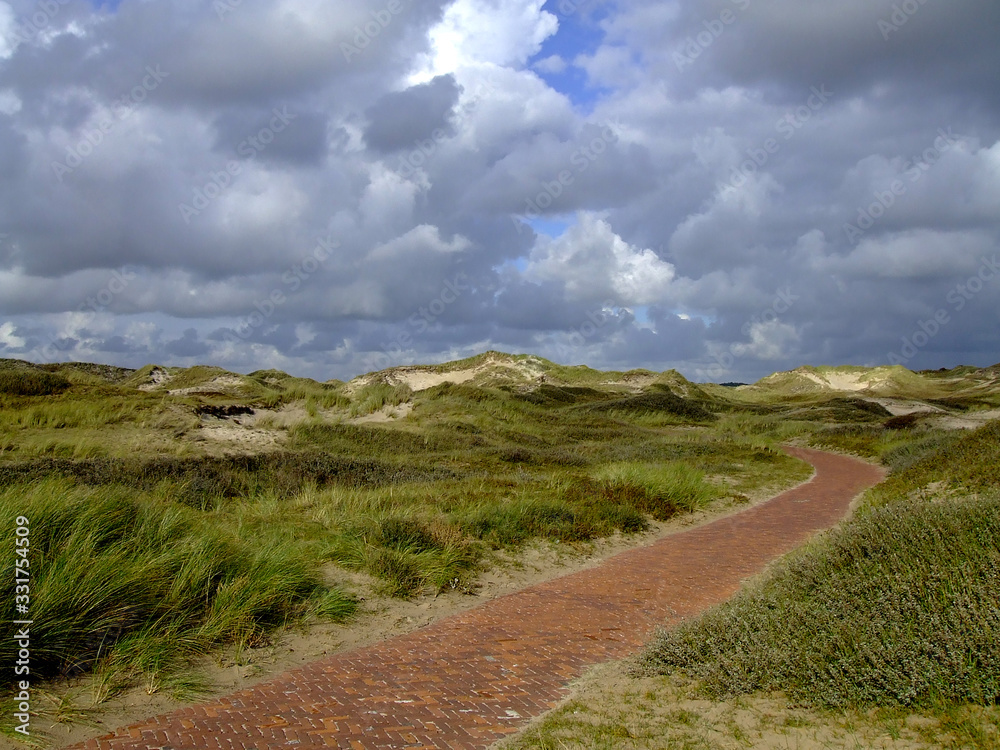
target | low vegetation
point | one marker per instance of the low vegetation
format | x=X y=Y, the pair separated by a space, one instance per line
x=897 y=606
x=174 y=512
x=28 y=383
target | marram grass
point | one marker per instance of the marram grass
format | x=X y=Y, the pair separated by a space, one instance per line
x=124 y=579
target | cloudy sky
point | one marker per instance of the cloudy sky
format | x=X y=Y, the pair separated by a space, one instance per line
x=727 y=187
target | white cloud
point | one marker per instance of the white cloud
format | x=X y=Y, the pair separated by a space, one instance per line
x=8 y=337
x=611 y=66
x=420 y=240
x=500 y=105
x=553 y=64
x=501 y=32
x=768 y=340
x=594 y=263
x=8 y=30
x=388 y=201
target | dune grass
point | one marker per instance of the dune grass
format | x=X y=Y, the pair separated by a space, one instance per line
x=667 y=488
x=153 y=551
x=898 y=606
x=31 y=383
x=125 y=583
x=957 y=463
x=373 y=397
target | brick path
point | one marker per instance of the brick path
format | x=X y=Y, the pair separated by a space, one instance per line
x=469 y=679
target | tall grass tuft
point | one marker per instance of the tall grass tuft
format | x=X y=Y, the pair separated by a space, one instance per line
x=669 y=487
x=373 y=397
x=138 y=584
x=406 y=554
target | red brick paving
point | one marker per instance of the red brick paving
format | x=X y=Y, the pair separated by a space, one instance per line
x=470 y=679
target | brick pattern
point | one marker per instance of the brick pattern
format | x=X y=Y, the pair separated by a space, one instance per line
x=472 y=678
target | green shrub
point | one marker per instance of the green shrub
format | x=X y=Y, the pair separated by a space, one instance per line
x=899 y=606
x=404 y=534
x=32 y=383
x=579 y=511
x=513 y=523
x=902 y=422
x=902 y=457
x=201 y=482
x=657 y=399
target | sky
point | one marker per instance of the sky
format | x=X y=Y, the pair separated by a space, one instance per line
x=724 y=187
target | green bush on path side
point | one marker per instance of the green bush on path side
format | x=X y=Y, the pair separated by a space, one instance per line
x=899 y=606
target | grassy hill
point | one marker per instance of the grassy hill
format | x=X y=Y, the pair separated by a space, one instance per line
x=963 y=383
x=178 y=512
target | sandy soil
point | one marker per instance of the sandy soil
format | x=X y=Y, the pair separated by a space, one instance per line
x=385 y=414
x=419 y=381
x=935 y=415
x=287 y=416
x=419 y=378
x=666 y=712
x=233 y=437
x=259 y=432
x=379 y=618
x=900 y=406
x=844 y=381
x=156 y=378
x=220 y=384
x=967 y=421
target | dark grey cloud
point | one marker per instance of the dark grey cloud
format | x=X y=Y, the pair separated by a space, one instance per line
x=781 y=198
x=187 y=345
x=856 y=47
x=120 y=345
x=280 y=134
x=402 y=119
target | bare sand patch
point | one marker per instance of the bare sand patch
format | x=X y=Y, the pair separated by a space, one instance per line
x=901 y=406
x=157 y=377
x=240 y=439
x=846 y=381
x=967 y=421
x=385 y=414
x=221 y=384
x=421 y=377
x=419 y=381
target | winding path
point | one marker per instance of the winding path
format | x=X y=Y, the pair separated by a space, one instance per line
x=467 y=680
